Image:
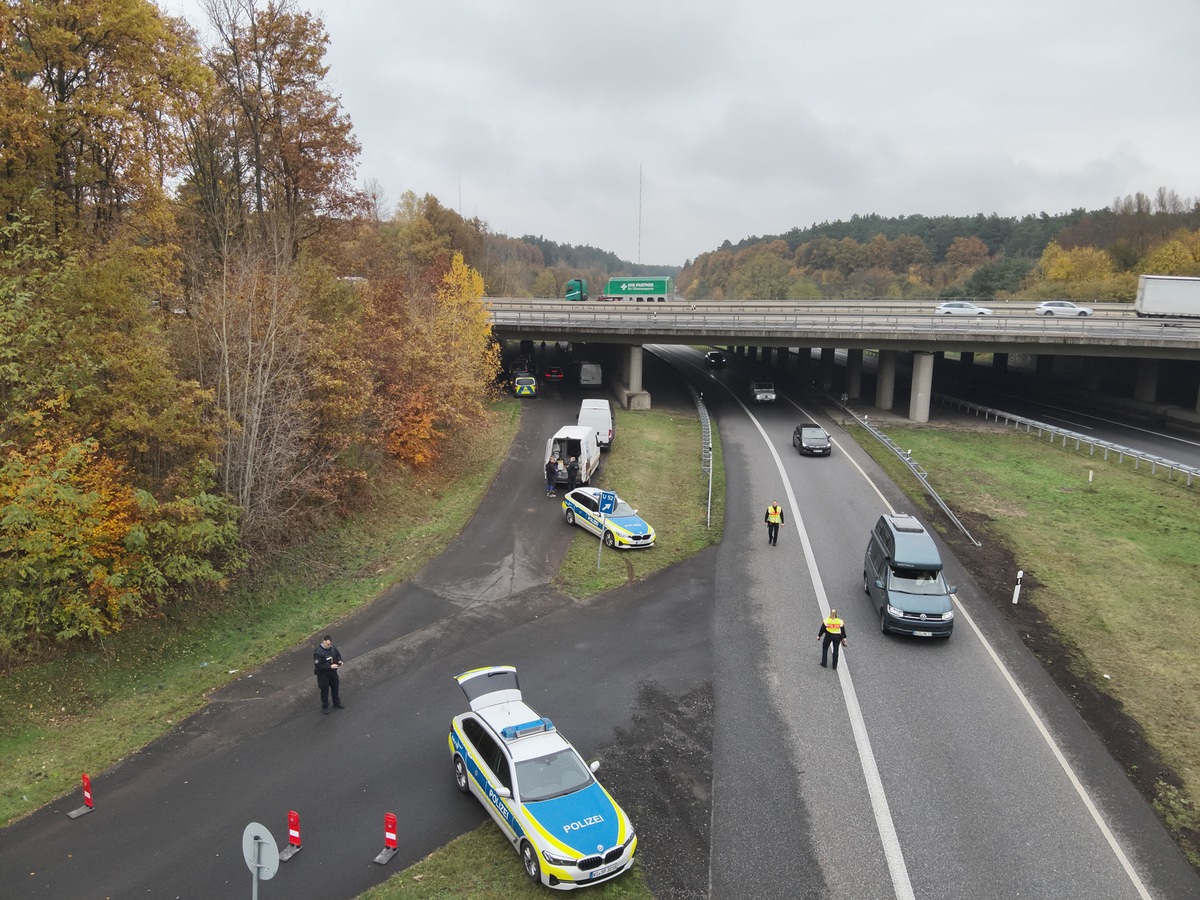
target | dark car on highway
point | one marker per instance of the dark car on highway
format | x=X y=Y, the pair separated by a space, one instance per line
x=714 y=359
x=811 y=440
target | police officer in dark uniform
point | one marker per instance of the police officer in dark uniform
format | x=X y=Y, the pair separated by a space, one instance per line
x=833 y=631
x=326 y=662
x=773 y=518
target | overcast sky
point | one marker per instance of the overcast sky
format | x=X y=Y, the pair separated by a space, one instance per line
x=658 y=130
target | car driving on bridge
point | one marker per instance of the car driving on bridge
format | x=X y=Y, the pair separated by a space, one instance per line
x=961 y=308
x=546 y=800
x=1061 y=308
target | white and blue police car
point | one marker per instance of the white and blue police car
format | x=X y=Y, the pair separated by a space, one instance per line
x=622 y=528
x=569 y=831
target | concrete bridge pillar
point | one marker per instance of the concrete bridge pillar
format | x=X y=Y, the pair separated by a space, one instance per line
x=854 y=360
x=1145 y=385
x=885 y=379
x=828 y=367
x=922 y=386
x=1000 y=362
x=803 y=358
x=967 y=358
x=629 y=388
x=633 y=365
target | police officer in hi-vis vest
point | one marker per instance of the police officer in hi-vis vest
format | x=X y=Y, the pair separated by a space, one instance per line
x=833 y=630
x=773 y=518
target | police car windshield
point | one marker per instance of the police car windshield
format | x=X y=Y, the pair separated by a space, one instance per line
x=622 y=509
x=552 y=776
x=917 y=581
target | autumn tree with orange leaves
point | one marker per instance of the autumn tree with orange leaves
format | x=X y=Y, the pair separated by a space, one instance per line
x=433 y=357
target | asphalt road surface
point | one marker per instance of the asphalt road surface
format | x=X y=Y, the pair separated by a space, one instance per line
x=931 y=769
x=917 y=769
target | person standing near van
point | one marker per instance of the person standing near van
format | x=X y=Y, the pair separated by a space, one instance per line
x=833 y=631
x=773 y=518
x=572 y=473
x=551 y=476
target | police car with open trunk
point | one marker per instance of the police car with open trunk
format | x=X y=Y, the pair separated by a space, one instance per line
x=569 y=831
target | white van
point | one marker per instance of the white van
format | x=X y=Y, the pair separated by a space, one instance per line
x=576 y=441
x=598 y=414
x=590 y=373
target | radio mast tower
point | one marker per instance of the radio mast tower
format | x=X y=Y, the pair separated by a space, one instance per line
x=639 y=214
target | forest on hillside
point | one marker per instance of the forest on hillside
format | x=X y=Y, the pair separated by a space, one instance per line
x=213 y=340
x=1088 y=255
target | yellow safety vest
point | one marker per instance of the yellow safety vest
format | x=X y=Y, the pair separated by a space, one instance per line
x=833 y=626
x=774 y=515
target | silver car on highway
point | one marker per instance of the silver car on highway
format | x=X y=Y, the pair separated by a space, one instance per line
x=961 y=308
x=1061 y=308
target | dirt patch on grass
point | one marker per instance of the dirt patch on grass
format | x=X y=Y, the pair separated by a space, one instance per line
x=662 y=771
x=992 y=566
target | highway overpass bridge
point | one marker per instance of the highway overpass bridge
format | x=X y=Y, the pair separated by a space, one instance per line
x=784 y=332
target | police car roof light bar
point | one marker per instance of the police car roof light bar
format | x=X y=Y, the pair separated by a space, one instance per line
x=537 y=726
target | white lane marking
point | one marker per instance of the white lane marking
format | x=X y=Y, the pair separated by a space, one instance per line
x=1028 y=707
x=883 y=816
x=892 y=852
x=901 y=883
x=1062 y=760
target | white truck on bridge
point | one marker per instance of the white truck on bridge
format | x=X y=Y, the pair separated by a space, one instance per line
x=1168 y=295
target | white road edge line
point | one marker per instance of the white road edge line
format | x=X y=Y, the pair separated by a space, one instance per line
x=892 y=852
x=898 y=871
x=1016 y=689
x=883 y=815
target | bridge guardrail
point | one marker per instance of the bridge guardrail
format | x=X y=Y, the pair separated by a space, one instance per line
x=913 y=466
x=754 y=323
x=706 y=447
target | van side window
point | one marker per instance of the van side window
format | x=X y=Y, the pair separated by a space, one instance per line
x=876 y=555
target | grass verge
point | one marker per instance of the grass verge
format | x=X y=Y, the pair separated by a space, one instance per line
x=654 y=465
x=481 y=865
x=91 y=706
x=1114 y=555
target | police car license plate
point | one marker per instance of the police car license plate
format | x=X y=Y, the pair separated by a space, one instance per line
x=604 y=870
x=922 y=634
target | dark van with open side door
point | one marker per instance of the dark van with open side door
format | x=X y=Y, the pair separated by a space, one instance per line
x=902 y=574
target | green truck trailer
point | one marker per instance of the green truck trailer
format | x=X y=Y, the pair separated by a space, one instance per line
x=642 y=290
